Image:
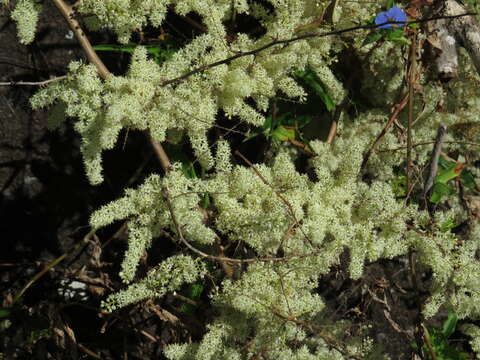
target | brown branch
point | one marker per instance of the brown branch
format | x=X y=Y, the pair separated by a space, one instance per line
x=332 y=132
x=178 y=229
x=69 y=15
x=280 y=196
x=32 y=83
x=397 y=108
x=411 y=84
x=161 y=155
x=297 y=38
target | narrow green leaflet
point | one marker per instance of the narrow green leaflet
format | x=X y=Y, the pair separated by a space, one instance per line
x=448 y=174
x=193 y=293
x=397 y=35
x=372 y=37
x=450 y=324
x=468 y=179
x=440 y=347
x=312 y=80
x=399 y=186
x=4 y=312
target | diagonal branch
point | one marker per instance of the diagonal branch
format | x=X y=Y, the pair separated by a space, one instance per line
x=179 y=232
x=69 y=15
x=297 y=38
x=280 y=196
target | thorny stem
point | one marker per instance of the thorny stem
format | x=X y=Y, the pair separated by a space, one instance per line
x=69 y=15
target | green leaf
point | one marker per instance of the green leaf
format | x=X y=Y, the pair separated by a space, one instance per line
x=390 y=4
x=448 y=225
x=36 y=335
x=108 y=47
x=468 y=179
x=449 y=173
x=189 y=170
x=439 y=190
x=399 y=186
x=282 y=133
x=444 y=163
x=397 y=35
x=205 y=202
x=449 y=324
x=372 y=37
x=265 y=129
x=195 y=291
x=4 y=312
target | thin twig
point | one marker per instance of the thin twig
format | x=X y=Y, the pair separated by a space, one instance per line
x=411 y=83
x=333 y=132
x=280 y=196
x=161 y=155
x=51 y=265
x=32 y=83
x=179 y=232
x=429 y=143
x=397 y=108
x=297 y=38
x=426 y=340
x=433 y=167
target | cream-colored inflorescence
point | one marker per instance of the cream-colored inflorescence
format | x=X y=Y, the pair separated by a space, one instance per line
x=273 y=210
x=26 y=15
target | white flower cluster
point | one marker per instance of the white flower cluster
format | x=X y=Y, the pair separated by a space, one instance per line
x=149 y=214
x=309 y=219
x=170 y=275
x=139 y=101
x=26 y=15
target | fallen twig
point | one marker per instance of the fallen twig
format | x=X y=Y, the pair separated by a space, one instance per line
x=32 y=83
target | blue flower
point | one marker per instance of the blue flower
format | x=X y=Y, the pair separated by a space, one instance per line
x=393 y=14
